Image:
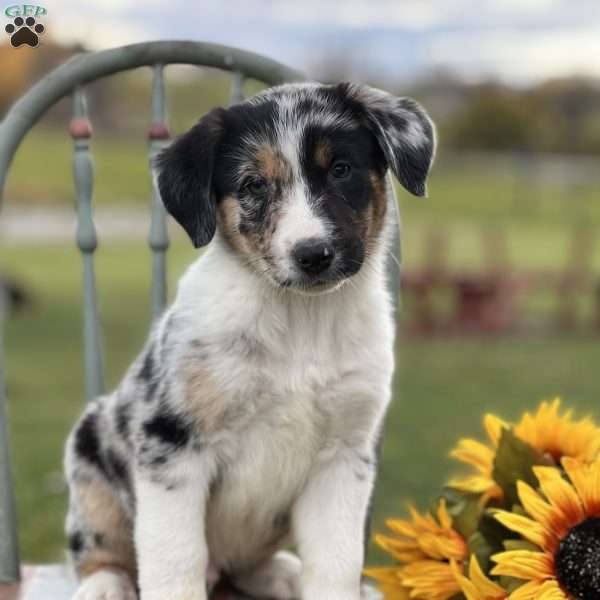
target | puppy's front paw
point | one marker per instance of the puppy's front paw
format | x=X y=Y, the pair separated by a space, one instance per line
x=106 y=585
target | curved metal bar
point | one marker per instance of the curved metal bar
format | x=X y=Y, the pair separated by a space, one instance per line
x=88 y=67
x=159 y=234
x=9 y=548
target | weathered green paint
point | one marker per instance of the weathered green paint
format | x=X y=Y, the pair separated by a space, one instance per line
x=159 y=236
x=237 y=87
x=9 y=554
x=87 y=241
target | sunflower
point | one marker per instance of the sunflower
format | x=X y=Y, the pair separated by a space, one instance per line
x=550 y=433
x=565 y=524
x=477 y=586
x=424 y=546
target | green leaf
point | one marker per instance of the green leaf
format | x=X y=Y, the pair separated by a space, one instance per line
x=520 y=545
x=513 y=462
x=481 y=548
x=510 y=584
x=494 y=532
x=464 y=509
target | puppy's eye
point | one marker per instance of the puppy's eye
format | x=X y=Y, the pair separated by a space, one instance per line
x=341 y=170
x=256 y=186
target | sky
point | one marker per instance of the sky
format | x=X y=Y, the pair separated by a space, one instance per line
x=518 y=41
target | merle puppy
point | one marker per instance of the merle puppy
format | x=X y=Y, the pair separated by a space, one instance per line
x=250 y=420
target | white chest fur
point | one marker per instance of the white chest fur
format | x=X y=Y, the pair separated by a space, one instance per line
x=298 y=377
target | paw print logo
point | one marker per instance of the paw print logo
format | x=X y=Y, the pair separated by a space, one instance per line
x=24 y=32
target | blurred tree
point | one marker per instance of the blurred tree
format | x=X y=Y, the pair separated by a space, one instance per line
x=494 y=118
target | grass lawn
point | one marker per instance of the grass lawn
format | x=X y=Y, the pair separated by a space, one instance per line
x=443 y=386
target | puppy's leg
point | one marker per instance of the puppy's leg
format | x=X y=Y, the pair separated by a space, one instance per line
x=170 y=526
x=278 y=578
x=99 y=529
x=328 y=522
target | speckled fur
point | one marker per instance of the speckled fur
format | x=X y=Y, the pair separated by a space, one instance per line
x=250 y=420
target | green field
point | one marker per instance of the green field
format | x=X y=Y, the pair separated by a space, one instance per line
x=443 y=385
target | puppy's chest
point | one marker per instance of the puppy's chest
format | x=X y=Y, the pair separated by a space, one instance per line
x=280 y=383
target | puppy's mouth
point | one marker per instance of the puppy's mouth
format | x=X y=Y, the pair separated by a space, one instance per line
x=322 y=284
x=312 y=288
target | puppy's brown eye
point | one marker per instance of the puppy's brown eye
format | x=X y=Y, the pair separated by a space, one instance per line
x=341 y=170
x=256 y=186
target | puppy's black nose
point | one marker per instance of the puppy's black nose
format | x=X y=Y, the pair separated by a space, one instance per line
x=313 y=257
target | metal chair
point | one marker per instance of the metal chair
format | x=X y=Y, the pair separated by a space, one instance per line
x=53 y=582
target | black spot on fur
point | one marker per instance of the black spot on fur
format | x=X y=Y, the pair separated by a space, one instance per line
x=388 y=118
x=159 y=460
x=147 y=371
x=76 y=542
x=169 y=429
x=98 y=539
x=148 y=374
x=117 y=467
x=122 y=418
x=186 y=177
x=87 y=444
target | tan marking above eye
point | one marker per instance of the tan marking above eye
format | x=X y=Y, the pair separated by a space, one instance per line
x=323 y=154
x=271 y=164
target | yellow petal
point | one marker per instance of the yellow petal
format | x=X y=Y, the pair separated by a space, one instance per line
x=468 y=587
x=474 y=453
x=586 y=479
x=476 y=484
x=493 y=427
x=524 y=564
x=486 y=586
x=551 y=591
x=441 y=547
x=529 y=529
x=529 y=591
x=540 y=510
x=429 y=580
x=561 y=495
x=402 y=527
x=426 y=522
x=395 y=549
x=444 y=518
x=384 y=574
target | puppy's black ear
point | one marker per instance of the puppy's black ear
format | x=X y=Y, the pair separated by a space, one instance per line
x=403 y=130
x=185 y=178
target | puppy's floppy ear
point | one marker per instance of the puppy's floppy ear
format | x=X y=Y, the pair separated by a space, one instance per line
x=403 y=130
x=185 y=178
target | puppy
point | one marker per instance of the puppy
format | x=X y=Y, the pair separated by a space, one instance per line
x=251 y=419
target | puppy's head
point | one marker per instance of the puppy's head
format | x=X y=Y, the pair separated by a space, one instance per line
x=295 y=177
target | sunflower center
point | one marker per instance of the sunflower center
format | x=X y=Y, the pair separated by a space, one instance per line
x=578 y=561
